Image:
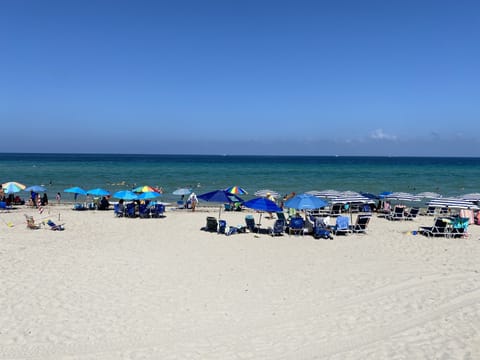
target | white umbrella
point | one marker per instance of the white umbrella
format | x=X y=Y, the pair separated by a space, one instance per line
x=454 y=203
x=266 y=192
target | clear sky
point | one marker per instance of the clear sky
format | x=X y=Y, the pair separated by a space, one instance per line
x=241 y=77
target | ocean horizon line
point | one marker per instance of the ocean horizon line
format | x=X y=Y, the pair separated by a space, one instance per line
x=246 y=155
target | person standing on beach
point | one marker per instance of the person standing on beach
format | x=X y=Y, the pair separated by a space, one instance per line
x=58 y=197
x=193 y=200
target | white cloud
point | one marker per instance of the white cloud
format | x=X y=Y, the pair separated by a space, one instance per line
x=378 y=134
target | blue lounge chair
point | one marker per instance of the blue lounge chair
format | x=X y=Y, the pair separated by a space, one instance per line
x=296 y=226
x=118 y=211
x=278 y=228
x=158 y=211
x=342 y=226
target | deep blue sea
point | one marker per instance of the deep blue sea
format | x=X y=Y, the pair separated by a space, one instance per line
x=284 y=174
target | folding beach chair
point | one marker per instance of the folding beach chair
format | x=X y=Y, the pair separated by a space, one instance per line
x=342 y=226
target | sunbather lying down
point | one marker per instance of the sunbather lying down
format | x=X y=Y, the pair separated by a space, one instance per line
x=54 y=226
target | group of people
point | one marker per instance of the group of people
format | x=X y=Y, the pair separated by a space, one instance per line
x=36 y=200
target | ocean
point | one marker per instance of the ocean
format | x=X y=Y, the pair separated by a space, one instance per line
x=448 y=176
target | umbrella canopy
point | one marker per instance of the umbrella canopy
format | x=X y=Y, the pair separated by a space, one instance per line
x=36 y=188
x=402 y=196
x=98 y=192
x=75 y=190
x=148 y=195
x=220 y=196
x=237 y=190
x=12 y=187
x=125 y=195
x=182 y=191
x=262 y=204
x=429 y=195
x=305 y=202
x=146 y=188
x=453 y=203
x=349 y=197
x=471 y=197
x=266 y=192
x=324 y=193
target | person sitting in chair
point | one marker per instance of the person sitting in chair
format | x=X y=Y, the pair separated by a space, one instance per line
x=104 y=204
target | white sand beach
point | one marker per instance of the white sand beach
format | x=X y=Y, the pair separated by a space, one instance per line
x=118 y=288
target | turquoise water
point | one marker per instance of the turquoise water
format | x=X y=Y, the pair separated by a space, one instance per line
x=284 y=174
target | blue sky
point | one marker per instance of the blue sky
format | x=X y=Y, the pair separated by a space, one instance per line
x=241 y=77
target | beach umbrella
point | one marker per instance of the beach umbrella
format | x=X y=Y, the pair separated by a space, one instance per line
x=98 y=192
x=471 y=197
x=454 y=203
x=305 y=202
x=219 y=196
x=349 y=197
x=146 y=188
x=147 y=195
x=35 y=188
x=383 y=194
x=182 y=191
x=324 y=193
x=12 y=187
x=402 y=196
x=262 y=204
x=266 y=192
x=75 y=190
x=429 y=195
x=20 y=185
x=125 y=195
x=237 y=190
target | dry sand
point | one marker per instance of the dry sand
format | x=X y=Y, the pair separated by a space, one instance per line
x=113 y=288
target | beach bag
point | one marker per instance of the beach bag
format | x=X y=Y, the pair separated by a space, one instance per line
x=320 y=233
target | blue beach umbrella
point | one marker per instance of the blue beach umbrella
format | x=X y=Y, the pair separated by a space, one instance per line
x=305 y=202
x=262 y=204
x=98 y=192
x=36 y=188
x=219 y=196
x=148 y=195
x=125 y=195
x=75 y=190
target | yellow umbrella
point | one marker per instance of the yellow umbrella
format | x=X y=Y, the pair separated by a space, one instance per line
x=14 y=183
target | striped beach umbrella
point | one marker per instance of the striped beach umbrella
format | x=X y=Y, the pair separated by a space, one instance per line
x=402 y=196
x=429 y=195
x=453 y=203
x=349 y=197
x=267 y=192
x=324 y=193
x=471 y=197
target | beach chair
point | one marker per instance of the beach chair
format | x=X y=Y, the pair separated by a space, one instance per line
x=250 y=222
x=412 y=213
x=336 y=209
x=361 y=224
x=342 y=225
x=130 y=210
x=296 y=226
x=212 y=224
x=158 y=211
x=430 y=211
x=54 y=226
x=397 y=213
x=117 y=210
x=4 y=206
x=460 y=227
x=278 y=228
x=31 y=223
x=143 y=211
x=439 y=228
x=321 y=229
